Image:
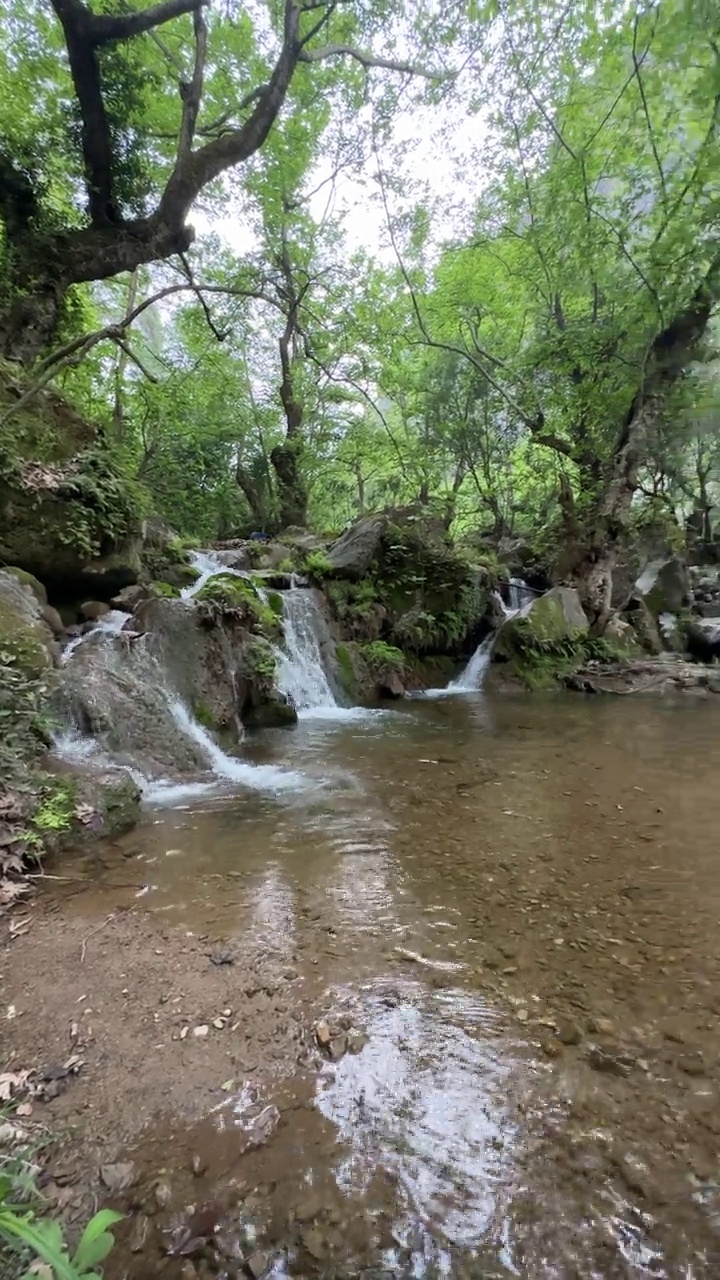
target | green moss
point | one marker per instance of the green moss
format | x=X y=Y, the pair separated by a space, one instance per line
x=164 y=589
x=28 y=580
x=23 y=644
x=287 y=565
x=275 y=602
x=239 y=596
x=348 y=678
x=203 y=714
x=260 y=662
x=380 y=656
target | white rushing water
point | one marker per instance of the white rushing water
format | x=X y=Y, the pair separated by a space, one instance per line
x=262 y=777
x=208 y=564
x=301 y=673
x=471 y=678
x=110 y=625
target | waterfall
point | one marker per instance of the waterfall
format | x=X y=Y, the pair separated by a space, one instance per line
x=110 y=625
x=208 y=564
x=301 y=672
x=471 y=679
x=118 y=705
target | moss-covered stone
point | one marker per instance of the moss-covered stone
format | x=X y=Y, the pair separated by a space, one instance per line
x=544 y=643
x=29 y=580
x=226 y=593
x=25 y=640
x=346 y=672
x=163 y=589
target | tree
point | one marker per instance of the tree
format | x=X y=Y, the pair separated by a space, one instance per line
x=142 y=167
x=593 y=269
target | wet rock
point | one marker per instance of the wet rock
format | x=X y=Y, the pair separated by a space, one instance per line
x=356 y=1041
x=140 y=1233
x=117 y=1177
x=609 y=1062
x=568 y=1032
x=323 y=1034
x=337 y=1048
x=601 y=1026
x=664 y=585
x=198 y=1165
x=257 y=1265
x=221 y=957
x=163 y=1194
x=91 y=610
x=637 y=1177
x=53 y=620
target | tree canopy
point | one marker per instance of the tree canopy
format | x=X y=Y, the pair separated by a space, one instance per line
x=525 y=341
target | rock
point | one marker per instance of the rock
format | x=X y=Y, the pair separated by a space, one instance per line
x=702 y=639
x=644 y=624
x=25 y=639
x=201 y=1032
x=257 y=1264
x=163 y=1194
x=188 y=1272
x=129 y=597
x=53 y=620
x=117 y=1177
x=535 y=645
x=113 y=798
x=664 y=585
x=568 y=1032
x=92 y=610
x=601 y=1026
x=323 y=1034
x=391 y=685
x=636 y=1176
x=140 y=1232
x=621 y=634
x=356 y=1041
x=355 y=549
x=198 y=1165
x=692 y=1064
x=313 y=1242
x=337 y=1048
x=605 y=1060
x=270 y=555
x=29 y=580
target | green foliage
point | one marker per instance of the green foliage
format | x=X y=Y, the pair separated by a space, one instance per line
x=239 y=598
x=317 y=565
x=56 y=809
x=42 y=1238
x=348 y=678
x=380 y=655
x=105 y=504
x=164 y=590
x=260 y=663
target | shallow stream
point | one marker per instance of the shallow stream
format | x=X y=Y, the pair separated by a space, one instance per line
x=516 y=902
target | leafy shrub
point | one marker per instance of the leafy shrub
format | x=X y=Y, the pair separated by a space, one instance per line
x=380 y=655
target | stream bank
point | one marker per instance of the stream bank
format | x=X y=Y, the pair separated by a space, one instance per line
x=499 y=896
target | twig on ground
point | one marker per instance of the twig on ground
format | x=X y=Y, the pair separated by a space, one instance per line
x=92 y=934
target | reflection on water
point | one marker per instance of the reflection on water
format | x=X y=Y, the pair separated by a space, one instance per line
x=518 y=901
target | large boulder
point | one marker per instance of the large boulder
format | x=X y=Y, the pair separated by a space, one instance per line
x=353 y=553
x=26 y=641
x=702 y=639
x=664 y=585
x=541 y=643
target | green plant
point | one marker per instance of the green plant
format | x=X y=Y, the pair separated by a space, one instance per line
x=43 y=1238
x=380 y=655
x=56 y=808
x=317 y=565
x=237 y=597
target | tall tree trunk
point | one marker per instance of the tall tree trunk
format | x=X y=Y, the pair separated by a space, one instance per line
x=591 y=572
x=253 y=495
x=287 y=458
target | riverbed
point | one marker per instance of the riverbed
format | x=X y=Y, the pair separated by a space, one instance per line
x=503 y=912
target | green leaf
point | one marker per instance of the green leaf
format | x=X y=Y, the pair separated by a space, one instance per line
x=96 y=1241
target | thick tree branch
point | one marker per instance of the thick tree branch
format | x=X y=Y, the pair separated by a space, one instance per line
x=191 y=93
x=107 y=27
x=366 y=60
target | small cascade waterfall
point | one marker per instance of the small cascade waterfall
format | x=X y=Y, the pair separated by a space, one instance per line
x=471 y=679
x=111 y=625
x=301 y=672
x=208 y=564
x=119 y=705
x=519 y=594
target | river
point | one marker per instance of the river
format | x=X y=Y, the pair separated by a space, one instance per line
x=514 y=904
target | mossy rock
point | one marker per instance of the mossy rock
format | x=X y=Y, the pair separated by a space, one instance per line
x=544 y=643
x=29 y=580
x=24 y=641
x=227 y=594
x=165 y=590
